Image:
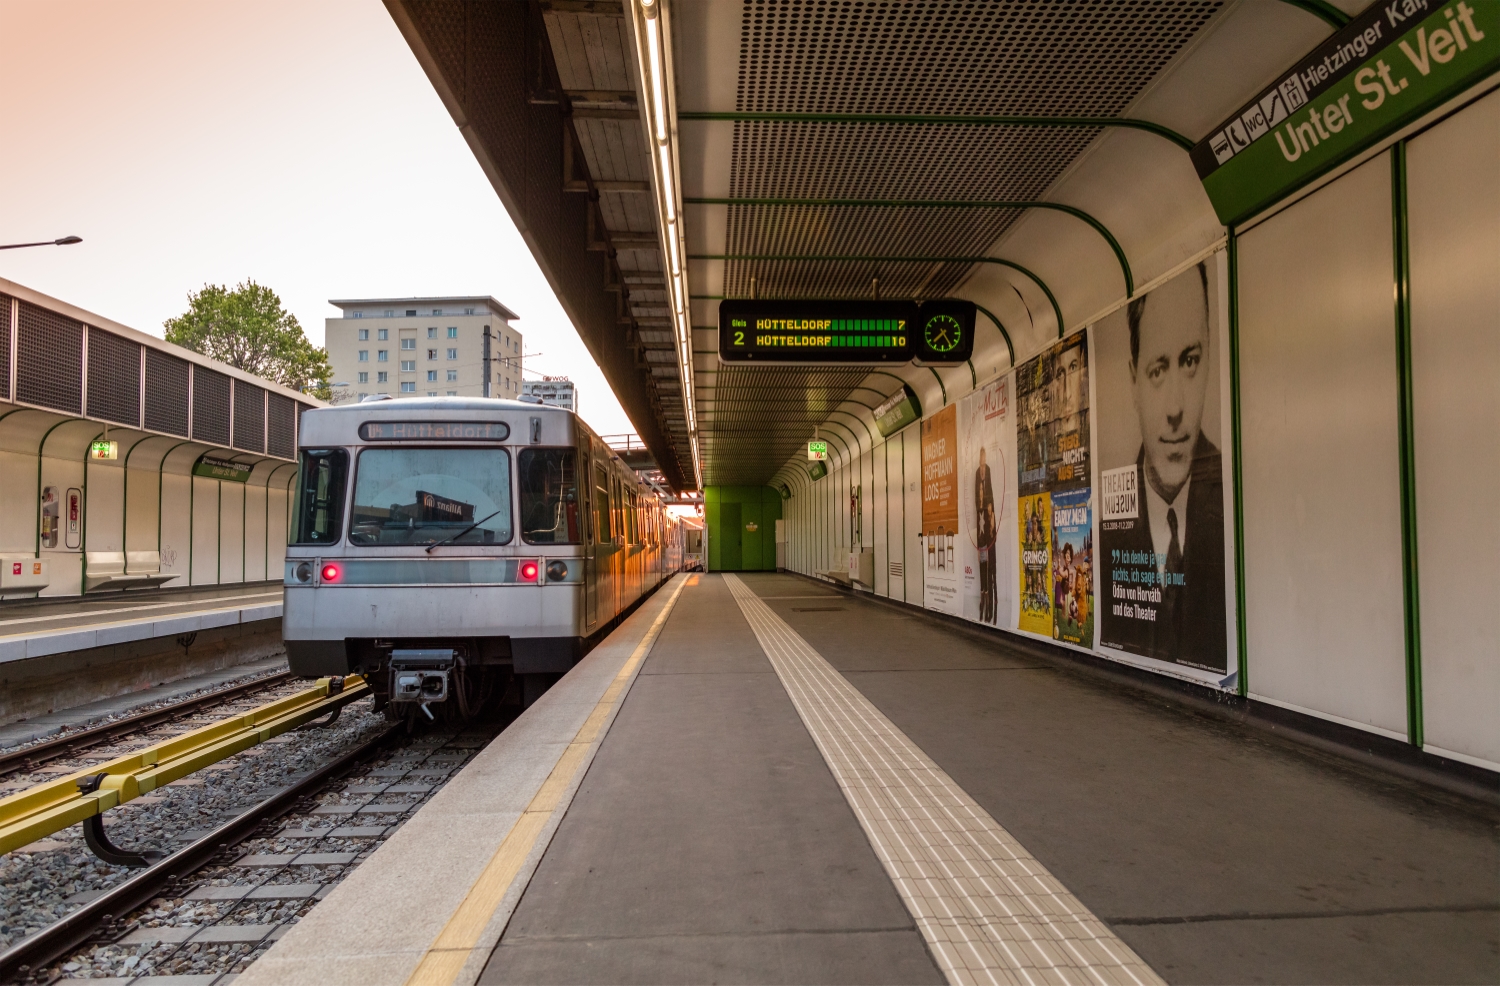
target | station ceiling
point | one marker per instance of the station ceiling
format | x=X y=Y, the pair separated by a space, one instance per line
x=816 y=155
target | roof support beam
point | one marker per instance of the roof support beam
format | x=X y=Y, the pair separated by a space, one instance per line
x=922 y=119
x=1099 y=227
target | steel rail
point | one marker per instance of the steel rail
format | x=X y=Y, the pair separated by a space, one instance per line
x=68 y=744
x=72 y=930
x=50 y=807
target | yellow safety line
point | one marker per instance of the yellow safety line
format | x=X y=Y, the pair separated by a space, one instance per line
x=450 y=950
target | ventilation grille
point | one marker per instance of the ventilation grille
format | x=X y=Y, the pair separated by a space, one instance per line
x=282 y=431
x=49 y=360
x=114 y=378
x=5 y=309
x=896 y=570
x=166 y=393
x=210 y=407
x=249 y=417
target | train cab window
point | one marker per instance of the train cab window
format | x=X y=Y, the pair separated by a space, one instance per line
x=420 y=496
x=320 y=496
x=549 y=496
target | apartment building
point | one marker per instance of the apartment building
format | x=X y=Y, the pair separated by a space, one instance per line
x=423 y=347
x=552 y=391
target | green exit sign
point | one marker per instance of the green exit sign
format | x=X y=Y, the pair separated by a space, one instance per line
x=817 y=451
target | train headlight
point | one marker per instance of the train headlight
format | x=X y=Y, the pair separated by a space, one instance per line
x=303 y=572
x=331 y=573
x=557 y=571
x=529 y=571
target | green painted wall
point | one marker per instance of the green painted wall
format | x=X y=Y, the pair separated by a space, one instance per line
x=741 y=527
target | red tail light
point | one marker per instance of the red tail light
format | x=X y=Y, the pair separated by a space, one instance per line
x=331 y=573
x=528 y=571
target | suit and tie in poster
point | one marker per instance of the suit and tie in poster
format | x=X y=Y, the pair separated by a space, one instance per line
x=987 y=443
x=1053 y=511
x=1161 y=505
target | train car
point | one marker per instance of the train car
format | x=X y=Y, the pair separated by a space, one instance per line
x=451 y=549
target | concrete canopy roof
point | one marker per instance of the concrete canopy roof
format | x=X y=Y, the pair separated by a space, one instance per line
x=820 y=157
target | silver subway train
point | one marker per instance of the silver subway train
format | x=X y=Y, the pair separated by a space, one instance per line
x=457 y=550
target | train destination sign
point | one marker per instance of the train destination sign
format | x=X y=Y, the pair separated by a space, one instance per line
x=845 y=332
x=434 y=431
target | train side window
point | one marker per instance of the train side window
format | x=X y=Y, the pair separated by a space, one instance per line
x=321 y=476
x=549 y=496
x=603 y=529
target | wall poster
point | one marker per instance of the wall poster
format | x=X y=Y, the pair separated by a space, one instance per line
x=941 y=583
x=987 y=502
x=1053 y=522
x=1161 y=504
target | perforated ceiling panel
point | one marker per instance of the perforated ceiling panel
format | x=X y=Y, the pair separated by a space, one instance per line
x=114 y=378
x=281 y=427
x=166 y=393
x=998 y=58
x=7 y=303
x=249 y=417
x=49 y=359
x=210 y=406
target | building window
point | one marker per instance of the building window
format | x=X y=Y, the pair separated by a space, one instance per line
x=382 y=377
x=468 y=311
x=432 y=331
x=432 y=376
x=382 y=333
x=356 y=314
x=409 y=343
x=452 y=376
x=432 y=354
x=408 y=366
x=432 y=393
x=364 y=356
x=364 y=376
x=364 y=334
x=408 y=387
x=453 y=354
x=452 y=332
x=382 y=356
x=411 y=313
x=390 y=312
x=452 y=393
x=363 y=394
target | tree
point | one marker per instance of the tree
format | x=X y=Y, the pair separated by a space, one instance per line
x=250 y=330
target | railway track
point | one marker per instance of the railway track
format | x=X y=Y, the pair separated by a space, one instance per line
x=213 y=905
x=29 y=758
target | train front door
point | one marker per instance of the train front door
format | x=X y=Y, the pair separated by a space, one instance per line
x=598 y=555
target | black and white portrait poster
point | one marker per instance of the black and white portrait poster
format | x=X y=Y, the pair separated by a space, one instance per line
x=1164 y=475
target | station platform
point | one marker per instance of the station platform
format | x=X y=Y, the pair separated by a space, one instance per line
x=38 y=628
x=761 y=779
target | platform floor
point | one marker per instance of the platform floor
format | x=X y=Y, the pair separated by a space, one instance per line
x=793 y=784
x=31 y=616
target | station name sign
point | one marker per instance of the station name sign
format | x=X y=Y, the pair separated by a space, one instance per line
x=434 y=431
x=210 y=466
x=846 y=332
x=1384 y=69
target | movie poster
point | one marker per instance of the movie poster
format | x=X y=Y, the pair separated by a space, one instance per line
x=1161 y=504
x=941 y=584
x=987 y=496
x=1034 y=514
x=1052 y=449
x=1072 y=568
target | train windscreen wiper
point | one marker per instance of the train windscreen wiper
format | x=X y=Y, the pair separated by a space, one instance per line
x=449 y=540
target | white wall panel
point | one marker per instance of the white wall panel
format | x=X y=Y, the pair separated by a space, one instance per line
x=106 y=495
x=912 y=502
x=1321 y=487
x=1453 y=190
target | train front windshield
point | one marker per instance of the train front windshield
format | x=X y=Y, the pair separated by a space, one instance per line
x=419 y=496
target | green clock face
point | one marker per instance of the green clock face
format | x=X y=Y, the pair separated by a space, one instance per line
x=942 y=333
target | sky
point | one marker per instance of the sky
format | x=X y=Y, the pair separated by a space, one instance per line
x=297 y=144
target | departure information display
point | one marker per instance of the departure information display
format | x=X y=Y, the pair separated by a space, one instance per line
x=845 y=332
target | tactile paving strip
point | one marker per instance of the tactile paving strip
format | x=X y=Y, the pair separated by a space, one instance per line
x=990 y=912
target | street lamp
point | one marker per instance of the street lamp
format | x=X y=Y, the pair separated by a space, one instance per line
x=65 y=241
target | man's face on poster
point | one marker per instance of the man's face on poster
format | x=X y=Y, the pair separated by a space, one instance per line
x=1171 y=381
x=1070 y=373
